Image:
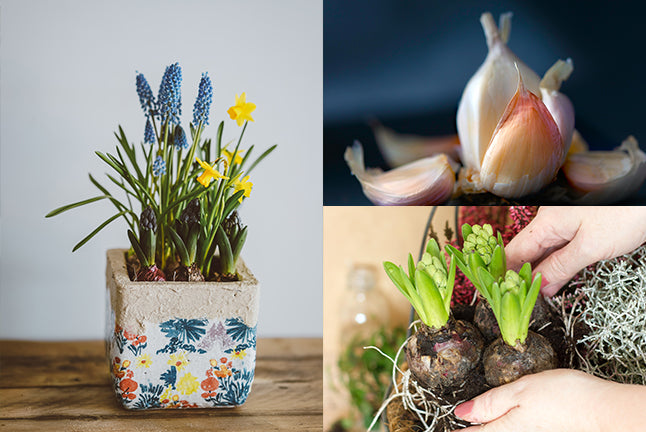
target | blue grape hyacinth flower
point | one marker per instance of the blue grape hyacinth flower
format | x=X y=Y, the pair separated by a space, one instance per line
x=159 y=166
x=179 y=137
x=146 y=98
x=203 y=101
x=170 y=97
x=149 y=134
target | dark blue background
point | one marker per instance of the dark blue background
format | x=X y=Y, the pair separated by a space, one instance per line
x=406 y=63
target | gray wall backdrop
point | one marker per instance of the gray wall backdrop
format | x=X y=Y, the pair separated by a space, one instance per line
x=67 y=71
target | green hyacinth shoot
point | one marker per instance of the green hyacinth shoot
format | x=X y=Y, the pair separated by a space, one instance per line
x=512 y=295
x=427 y=286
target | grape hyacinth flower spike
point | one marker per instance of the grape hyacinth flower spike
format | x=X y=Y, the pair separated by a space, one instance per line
x=170 y=96
x=149 y=134
x=203 y=101
x=146 y=98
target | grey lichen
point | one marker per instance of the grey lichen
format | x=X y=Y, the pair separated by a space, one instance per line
x=610 y=300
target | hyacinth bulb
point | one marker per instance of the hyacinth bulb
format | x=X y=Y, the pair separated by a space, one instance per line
x=424 y=182
x=489 y=91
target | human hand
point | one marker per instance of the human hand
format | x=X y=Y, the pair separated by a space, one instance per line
x=560 y=241
x=559 y=400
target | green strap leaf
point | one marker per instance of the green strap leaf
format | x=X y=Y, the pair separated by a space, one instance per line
x=99 y=228
x=74 y=205
x=433 y=248
x=218 y=139
x=261 y=157
x=143 y=259
x=180 y=247
x=497 y=266
x=399 y=278
x=431 y=300
x=530 y=301
x=450 y=281
x=525 y=273
x=226 y=254
x=510 y=319
x=411 y=267
x=484 y=284
x=232 y=203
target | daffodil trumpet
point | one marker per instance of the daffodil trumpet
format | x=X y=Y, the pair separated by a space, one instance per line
x=515 y=131
x=443 y=351
x=512 y=297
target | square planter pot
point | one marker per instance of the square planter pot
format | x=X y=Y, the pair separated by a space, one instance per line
x=180 y=344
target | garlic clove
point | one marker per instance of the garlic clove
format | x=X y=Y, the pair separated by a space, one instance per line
x=526 y=149
x=399 y=149
x=557 y=103
x=489 y=91
x=607 y=176
x=424 y=182
x=578 y=144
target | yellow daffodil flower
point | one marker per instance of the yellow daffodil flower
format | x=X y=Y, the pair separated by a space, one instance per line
x=228 y=155
x=244 y=185
x=241 y=111
x=209 y=174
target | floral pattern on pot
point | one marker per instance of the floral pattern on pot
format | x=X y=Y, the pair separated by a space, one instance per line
x=184 y=363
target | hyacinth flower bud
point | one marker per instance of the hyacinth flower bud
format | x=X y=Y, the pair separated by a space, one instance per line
x=230 y=238
x=145 y=246
x=482 y=241
x=147 y=230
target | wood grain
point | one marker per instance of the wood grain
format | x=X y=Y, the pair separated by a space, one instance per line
x=66 y=386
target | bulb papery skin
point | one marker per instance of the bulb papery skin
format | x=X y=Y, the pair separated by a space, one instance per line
x=489 y=91
x=526 y=149
x=559 y=105
x=427 y=181
x=400 y=149
x=605 y=177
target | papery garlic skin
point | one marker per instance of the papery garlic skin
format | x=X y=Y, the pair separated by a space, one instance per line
x=489 y=91
x=559 y=105
x=427 y=181
x=400 y=149
x=526 y=149
x=605 y=177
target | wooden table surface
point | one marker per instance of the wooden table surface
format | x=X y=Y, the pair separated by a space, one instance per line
x=65 y=386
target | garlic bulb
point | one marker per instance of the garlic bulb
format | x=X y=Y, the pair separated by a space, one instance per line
x=607 y=176
x=424 y=182
x=399 y=149
x=488 y=92
x=513 y=142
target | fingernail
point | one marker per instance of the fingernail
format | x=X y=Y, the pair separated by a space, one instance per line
x=464 y=409
x=544 y=284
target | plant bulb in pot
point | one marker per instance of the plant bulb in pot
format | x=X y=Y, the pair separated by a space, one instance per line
x=443 y=351
x=512 y=297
